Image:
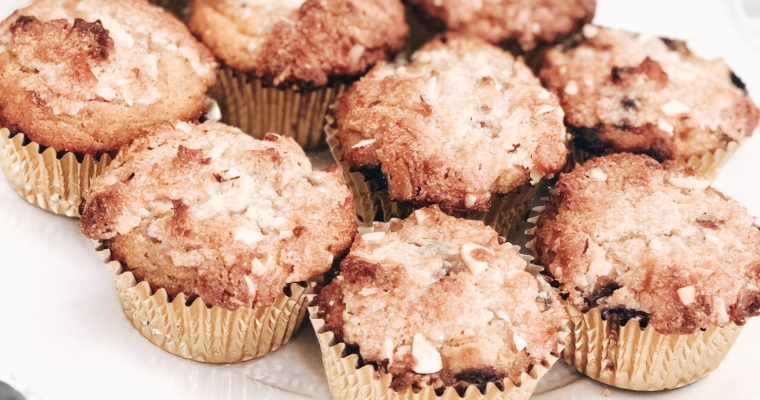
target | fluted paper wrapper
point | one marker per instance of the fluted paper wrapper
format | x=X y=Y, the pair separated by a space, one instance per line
x=348 y=380
x=51 y=180
x=706 y=165
x=257 y=109
x=636 y=358
x=208 y=334
x=373 y=202
x=630 y=357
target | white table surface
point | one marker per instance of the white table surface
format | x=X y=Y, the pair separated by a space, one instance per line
x=63 y=334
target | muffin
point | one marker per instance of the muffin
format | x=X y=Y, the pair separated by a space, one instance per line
x=82 y=79
x=658 y=270
x=462 y=124
x=521 y=24
x=432 y=306
x=628 y=92
x=285 y=62
x=214 y=231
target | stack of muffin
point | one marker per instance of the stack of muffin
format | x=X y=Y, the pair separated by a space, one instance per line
x=638 y=273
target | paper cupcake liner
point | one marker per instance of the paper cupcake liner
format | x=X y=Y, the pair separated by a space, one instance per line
x=707 y=164
x=635 y=358
x=51 y=180
x=632 y=358
x=209 y=334
x=373 y=202
x=348 y=380
x=257 y=109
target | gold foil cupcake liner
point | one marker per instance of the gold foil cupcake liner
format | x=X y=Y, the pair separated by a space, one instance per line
x=348 y=380
x=257 y=109
x=635 y=358
x=630 y=357
x=373 y=202
x=707 y=164
x=51 y=180
x=209 y=334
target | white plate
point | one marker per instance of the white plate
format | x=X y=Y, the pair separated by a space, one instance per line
x=63 y=335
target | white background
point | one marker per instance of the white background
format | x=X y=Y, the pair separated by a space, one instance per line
x=63 y=335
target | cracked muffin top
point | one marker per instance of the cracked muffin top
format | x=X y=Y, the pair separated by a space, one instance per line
x=300 y=42
x=458 y=122
x=623 y=233
x=528 y=23
x=441 y=301
x=90 y=76
x=208 y=211
x=623 y=91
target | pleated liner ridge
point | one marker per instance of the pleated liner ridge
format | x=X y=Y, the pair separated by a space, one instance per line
x=348 y=380
x=208 y=334
x=257 y=109
x=631 y=357
x=373 y=202
x=51 y=180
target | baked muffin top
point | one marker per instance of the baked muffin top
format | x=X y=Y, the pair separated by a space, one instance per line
x=89 y=76
x=208 y=211
x=526 y=22
x=300 y=42
x=459 y=121
x=441 y=301
x=624 y=91
x=623 y=233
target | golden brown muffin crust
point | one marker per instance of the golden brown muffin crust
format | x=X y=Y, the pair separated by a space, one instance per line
x=441 y=301
x=623 y=91
x=301 y=42
x=527 y=22
x=208 y=211
x=462 y=120
x=90 y=76
x=623 y=233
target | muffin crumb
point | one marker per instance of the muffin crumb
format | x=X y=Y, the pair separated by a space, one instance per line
x=528 y=24
x=435 y=146
x=210 y=212
x=638 y=95
x=91 y=76
x=441 y=301
x=650 y=243
x=301 y=42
